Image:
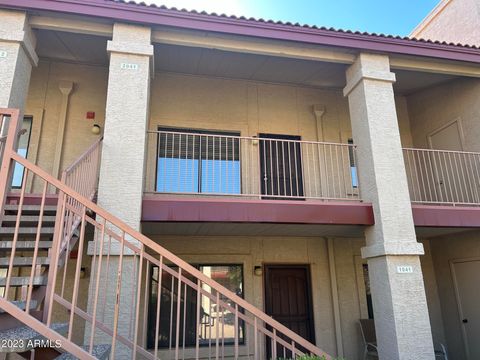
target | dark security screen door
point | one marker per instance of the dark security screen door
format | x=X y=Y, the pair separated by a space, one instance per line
x=288 y=299
x=280 y=166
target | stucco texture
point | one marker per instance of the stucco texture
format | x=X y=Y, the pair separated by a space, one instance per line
x=44 y=102
x=457 y=22
x=250 y=108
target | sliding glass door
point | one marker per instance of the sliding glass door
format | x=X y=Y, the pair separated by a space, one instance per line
x=198 y=161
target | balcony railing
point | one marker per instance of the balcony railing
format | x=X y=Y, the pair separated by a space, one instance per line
x=198 y=163
x=443 y=177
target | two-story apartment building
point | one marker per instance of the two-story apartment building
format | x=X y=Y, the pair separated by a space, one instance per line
x=185 y=185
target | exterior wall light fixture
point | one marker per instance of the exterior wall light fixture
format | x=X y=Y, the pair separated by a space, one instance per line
x=96 y=129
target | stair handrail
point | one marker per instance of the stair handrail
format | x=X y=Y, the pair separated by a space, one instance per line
x=3 y=140
x=88 y=161
x=272 y=327
x=82 y=175
x=41 y=328
x=166 y=254
x=145 y=241
x=8 y=144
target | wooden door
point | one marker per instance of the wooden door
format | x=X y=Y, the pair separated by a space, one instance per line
x=288 y=299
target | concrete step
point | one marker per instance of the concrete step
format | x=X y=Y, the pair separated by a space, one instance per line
x=22 y=338
x=101 y=352
x=28 y=219
x=19 y=261
x=26 y=230
x=22 y=305
x=6 y=246
x=18 y=281
x=11 y=212
x=30 y=208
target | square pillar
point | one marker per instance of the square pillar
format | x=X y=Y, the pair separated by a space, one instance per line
x=120 y=188
x=17 y=57
x=121 y=180
x=399 y=302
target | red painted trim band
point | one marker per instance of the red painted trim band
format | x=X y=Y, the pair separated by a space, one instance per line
x=167 y=209
x=446 y=216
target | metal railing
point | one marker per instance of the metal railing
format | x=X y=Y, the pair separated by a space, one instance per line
x=82 y=174
x=5 y=115
x=3 y=140
x=119 y=303
x=443 y=177
x=272 y=168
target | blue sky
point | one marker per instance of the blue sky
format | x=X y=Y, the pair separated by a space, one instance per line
x=396 y=17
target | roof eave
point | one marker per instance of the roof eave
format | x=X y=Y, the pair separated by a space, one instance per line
x=196 y=21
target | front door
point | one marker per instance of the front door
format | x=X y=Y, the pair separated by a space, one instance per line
x=280 y=167
x=288 y=299
x=468 y=297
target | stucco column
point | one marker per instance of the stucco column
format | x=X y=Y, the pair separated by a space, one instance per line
x=399 y=302
x=122 y=168
x=17 y=57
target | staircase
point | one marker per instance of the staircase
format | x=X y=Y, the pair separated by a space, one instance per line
x=25 y=254
x=43 y=247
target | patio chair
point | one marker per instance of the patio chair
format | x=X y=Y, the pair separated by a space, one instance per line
x=367 y=328
x=441 y=352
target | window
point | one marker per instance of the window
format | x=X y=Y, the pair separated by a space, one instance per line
x=193 y=161
x=23 y=143
x=230 y=276
x=353 y=168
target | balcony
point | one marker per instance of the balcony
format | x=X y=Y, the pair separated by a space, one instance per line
x=268 y=167
x=442 y=177
x=196 y=177
x=223 y=177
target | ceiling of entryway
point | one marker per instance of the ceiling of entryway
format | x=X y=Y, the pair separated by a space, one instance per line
x=89 y=49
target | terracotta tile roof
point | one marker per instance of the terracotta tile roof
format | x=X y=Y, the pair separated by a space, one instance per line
x=295 y=25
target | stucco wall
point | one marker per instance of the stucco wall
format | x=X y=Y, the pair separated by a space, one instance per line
x=252 y=251
x=430 y=278
x=457 y=21
x=350 y=298
x=445 y=249
x=44 y=102
x=432 y=108
x=250 y=107
x=253 y=107
x=182 y=101
x=226 y=104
